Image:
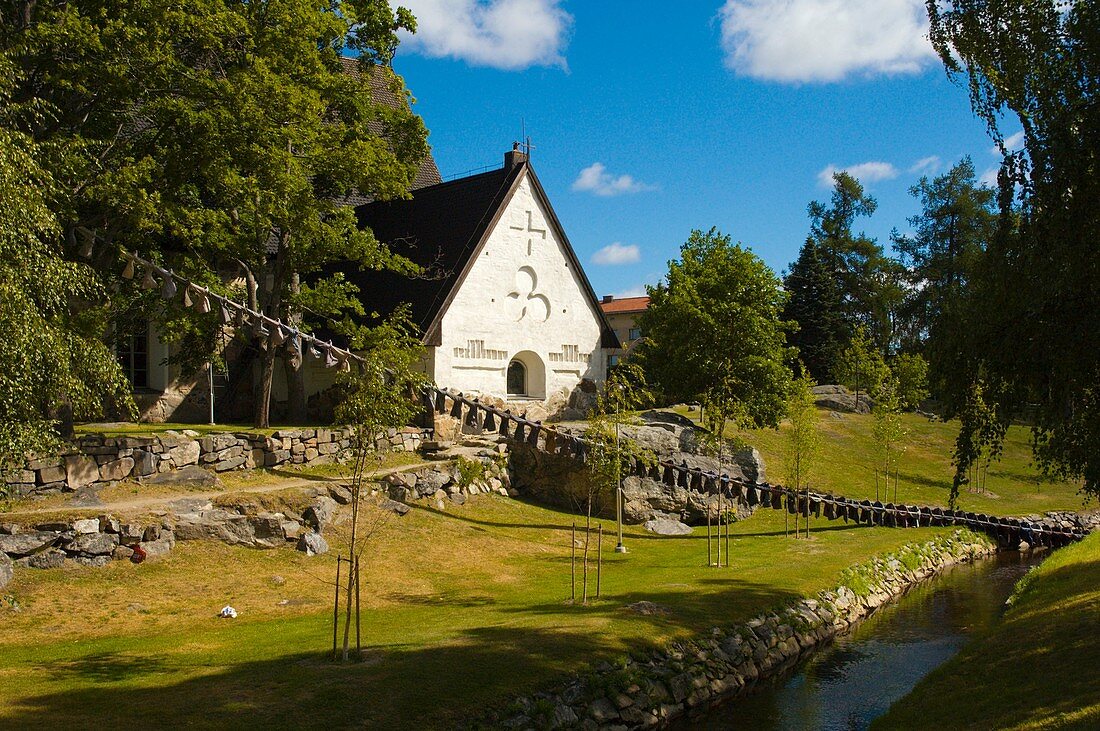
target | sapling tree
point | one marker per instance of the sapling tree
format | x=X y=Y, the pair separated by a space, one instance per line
x=378 y=395
x=889 y=433
x=803 y=440
x=623 y=393
x=861 y=366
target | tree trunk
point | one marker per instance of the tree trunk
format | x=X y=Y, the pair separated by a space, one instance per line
x=295 y=388
x=584 y=570
x=295 y=375
x=263 y=398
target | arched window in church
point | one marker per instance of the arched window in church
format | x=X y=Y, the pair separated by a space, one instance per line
x=517 y=379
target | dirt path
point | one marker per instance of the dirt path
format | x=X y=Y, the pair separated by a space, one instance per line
x=164 y=500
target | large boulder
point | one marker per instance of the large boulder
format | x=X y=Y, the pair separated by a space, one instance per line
x=5 y=570
x=667 y=527
x=559 y=480
x=839 y=398
x=320 y=512
x=94 y=544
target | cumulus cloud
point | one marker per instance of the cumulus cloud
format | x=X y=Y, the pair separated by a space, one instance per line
x=864 y=172
x=989 y=177
x=503 y=34
x=1012 y=142
x=824 y=40
x=926 y=165
x=596 y=179
x=615 y=253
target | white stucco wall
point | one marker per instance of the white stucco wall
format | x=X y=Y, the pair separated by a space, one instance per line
x=521 y=297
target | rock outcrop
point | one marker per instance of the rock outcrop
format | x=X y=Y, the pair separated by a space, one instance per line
x=839 y=398
x=558 y=480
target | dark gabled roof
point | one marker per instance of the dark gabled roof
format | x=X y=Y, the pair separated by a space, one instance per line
x=383 y=91
x=443 y=228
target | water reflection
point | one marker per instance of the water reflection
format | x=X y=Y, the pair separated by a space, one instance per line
x=857 y=679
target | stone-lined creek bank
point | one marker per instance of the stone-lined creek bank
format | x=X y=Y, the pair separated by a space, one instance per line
x=862 y=674
x=654 y=689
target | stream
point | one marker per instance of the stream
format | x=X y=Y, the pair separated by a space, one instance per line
x=855 y=680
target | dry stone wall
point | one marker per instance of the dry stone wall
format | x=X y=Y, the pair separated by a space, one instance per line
x=98 y=459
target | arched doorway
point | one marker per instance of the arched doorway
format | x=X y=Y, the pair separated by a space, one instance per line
x=526 y=376
x=517 y=379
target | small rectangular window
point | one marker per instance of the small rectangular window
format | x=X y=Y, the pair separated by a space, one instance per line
x=635 y=333
x=133 y=356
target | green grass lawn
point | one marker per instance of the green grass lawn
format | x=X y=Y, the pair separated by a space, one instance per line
x=1035 y=670
x=847 y=466
x=131 y=429
x=462 y=608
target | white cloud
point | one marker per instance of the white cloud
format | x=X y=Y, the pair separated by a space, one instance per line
x=503 y=34
x=824 y=40
x=635 y=291
x=864 y=172
x=926 y=165
x=596 y=179
x=989 y=177
x=615 y=253
x=1012 y=142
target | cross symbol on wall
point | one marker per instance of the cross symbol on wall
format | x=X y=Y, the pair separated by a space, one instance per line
x=530 y=228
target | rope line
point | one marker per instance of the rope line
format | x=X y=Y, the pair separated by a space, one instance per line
x=518 y=428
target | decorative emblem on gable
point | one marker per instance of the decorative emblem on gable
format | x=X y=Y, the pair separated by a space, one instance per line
x=526 y=300
x=528 y=226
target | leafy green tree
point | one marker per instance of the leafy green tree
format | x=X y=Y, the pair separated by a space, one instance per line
x=862 y=367
x=379 y=395
x=854 y=260
x=911 y=373
x=714 y=332
x=815 y=297
x=53 y=362
x=1033 y=320
x=220 y=137
x=803 y=440
x=949 y=238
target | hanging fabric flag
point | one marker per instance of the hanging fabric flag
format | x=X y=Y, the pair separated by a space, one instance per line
x=128 y=270
x=187 y=296
x=277 y=335
x=202 y=304
x=330 y=357
x=490 y=422
x=240 y=317
x=223 y=313
x=168 y=291
x=503 y=430
x=294 y=347
x=147 y=281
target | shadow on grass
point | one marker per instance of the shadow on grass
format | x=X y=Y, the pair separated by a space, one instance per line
x=698 y=534
x=924 y=481
x=257 y=680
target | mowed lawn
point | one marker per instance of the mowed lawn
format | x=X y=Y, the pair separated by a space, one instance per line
x=1035 y=670
x=847 y=463
x=462 y=609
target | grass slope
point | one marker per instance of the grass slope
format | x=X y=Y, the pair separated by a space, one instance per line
x=1035 y=670
x=462 y=608
x=847 y=466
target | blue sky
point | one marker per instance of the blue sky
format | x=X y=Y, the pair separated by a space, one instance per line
x=648 y=122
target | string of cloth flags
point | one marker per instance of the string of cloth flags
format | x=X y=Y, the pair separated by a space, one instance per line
x=268 y=330
x=804 y=502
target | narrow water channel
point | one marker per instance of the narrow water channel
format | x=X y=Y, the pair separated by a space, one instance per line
x=857 y=678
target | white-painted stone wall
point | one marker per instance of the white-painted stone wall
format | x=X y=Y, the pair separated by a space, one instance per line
x=522 y=300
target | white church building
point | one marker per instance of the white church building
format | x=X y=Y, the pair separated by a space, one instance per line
x=504 y=305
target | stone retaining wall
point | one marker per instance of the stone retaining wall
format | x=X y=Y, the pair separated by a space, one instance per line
x=691 y=677
x=96 y=459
